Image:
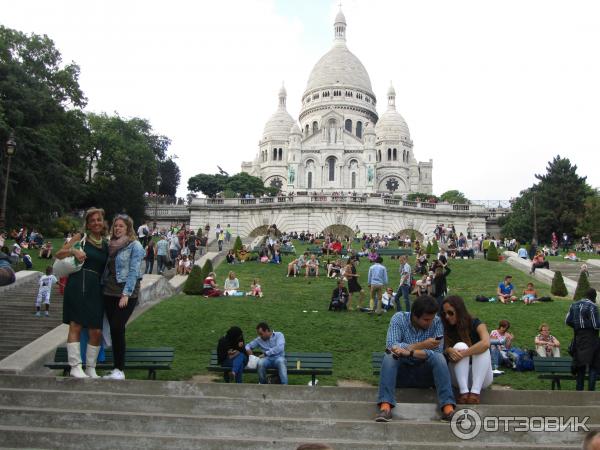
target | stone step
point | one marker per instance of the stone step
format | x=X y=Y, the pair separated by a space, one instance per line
x=278 y=392
x=223 y=406
x=30 y=437
x=267 y=427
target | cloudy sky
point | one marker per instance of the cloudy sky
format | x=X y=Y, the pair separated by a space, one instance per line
x=491 y=91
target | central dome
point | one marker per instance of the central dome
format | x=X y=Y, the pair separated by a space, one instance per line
x=339 y=66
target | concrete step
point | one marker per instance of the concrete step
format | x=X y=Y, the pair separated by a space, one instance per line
x=268 y=427
x=278 y=392
x=29 y=437
x=222 y=406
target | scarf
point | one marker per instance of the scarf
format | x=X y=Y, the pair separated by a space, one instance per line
x=117 y=244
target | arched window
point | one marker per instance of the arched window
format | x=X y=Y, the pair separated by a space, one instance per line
x=389 y=154
x=407 y=155
x=280 y=154
x=306 y=130
x=309 y=180
x=359 y=130
x=331 y=168
x=403 y=155
x=315 y=127
x=348 y=125
x=395 y=155
x=274 y=154
x=378 y=155
x=353 y=180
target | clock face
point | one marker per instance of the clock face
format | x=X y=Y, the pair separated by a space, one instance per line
x=276 y=183
x=392 y=184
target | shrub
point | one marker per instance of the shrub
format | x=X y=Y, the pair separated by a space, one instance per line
x=558 y=285
x=492 y=253
x=435 y=249
x=429 y=248
x=237 y=245
x=413 y=237
x=208 y=268
x=195 y=282
x=583 y=285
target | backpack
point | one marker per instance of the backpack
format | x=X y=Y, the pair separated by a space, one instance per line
x=482 y=298
x=524 y=359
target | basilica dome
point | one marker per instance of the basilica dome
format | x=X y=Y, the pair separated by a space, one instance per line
x=281 y=122
x=391 y=125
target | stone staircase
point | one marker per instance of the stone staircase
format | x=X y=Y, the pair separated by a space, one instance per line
x=48 y=412
x=18 y=325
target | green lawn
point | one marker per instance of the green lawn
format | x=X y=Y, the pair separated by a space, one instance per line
x=298 y=307
x=39 y=264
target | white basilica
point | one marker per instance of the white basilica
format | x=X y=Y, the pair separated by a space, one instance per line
x=342 y=143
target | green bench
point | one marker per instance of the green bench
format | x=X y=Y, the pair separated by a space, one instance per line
x=376 y=361
x=318 y=251
x=282 y=250
x=150 y=359
x=394 y=251
x=312 y=364
x=554 y=369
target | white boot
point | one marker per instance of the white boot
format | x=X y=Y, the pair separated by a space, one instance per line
x=91 y=354
x=74 y=353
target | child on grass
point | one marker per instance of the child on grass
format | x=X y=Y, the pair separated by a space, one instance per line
x=45 y=288
x=255 y=289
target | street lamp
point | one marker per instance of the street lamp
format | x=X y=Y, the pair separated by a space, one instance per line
x=158 y=181
x=10 y=149
x=534 y=239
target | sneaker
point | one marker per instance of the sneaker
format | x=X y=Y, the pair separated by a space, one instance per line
x=116 y=374
x=38 y=314
x=47 y=314
x=497 y=372
x=384 y=416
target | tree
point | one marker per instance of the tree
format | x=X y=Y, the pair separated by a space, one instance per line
x=429 y=249
x=207 y=268
x=194 y=284
x=420 y=196
x=435 y=249
x=560 y=195
x=237 y=245
x=492 y=253
x=454 y=196
x=590 y=222
x=209 y=185
x=41 y=102
x=558 y=285
x=240 y=184
x=583 y=286
x=170 y=177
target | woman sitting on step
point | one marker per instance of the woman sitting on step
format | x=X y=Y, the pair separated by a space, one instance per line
x=466 y=339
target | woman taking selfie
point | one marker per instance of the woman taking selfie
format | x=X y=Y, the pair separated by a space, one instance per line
x=83 y=305
x=121 y=286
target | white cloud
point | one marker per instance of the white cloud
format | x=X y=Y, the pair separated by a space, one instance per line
x=491 y=91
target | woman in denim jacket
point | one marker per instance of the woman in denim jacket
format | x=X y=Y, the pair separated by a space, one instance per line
x=121 y=283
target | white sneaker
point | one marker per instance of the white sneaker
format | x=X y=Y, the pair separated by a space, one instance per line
x=116 y=374
x=497 y=372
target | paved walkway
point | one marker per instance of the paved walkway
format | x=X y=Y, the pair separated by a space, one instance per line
x=572 y=269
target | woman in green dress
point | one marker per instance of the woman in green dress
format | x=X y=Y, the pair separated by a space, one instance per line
x=83 y=304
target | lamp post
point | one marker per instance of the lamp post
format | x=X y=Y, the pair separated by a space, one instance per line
x=158 y=181
x=11 y=147
x=534 y=239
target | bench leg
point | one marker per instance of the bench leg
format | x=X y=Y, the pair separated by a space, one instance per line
x=314 y=379
x=151 y=374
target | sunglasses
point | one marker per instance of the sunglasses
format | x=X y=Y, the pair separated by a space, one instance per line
x=449 y=313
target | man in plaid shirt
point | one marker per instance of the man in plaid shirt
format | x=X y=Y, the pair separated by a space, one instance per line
x=414 y=358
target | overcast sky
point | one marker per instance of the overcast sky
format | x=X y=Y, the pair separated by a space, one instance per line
x=491 y=91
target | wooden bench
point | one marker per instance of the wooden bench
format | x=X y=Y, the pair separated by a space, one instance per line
x=312 y=364
x=150 y=359
x=554 y=369
x=376 y=361
x=394 y=251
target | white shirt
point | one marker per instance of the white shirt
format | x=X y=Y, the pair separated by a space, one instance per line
x=46 y=282
x=141 y=229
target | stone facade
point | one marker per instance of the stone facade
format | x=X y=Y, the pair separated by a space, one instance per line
x=341 y=144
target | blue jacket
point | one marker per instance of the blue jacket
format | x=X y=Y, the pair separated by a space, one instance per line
x=377 y=275
x=128 y=266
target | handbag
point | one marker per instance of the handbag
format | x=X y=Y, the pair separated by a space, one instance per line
x=69 y=265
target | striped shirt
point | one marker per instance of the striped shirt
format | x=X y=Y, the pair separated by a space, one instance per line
x=583 y=315
x=402 y=333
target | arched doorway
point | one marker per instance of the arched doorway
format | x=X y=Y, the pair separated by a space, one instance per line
x=339 y=231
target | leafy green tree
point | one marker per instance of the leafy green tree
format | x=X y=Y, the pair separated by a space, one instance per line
x=195 y=282
x=421 y=196
x=237 y=245
x=590 y=222
x=492 y=253
x=429 y=249
x=558 y=285
x=583 y=285
x=240 y=184
x=41 y=102
x=207 y=268
x=435 y=249
x=170 y=177
x=454 y=196
x=209 y=185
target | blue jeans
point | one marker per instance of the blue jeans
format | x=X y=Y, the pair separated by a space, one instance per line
x=404 y=289
x=149 y=265
x=268 y=362
x=580 y=378
x=161 y=261
x=237 y=365
x=419 y=373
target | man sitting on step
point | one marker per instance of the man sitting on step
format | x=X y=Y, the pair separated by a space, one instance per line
x=414 y=358
x=272 y=344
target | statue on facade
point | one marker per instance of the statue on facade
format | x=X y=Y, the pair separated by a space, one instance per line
x=291 y=174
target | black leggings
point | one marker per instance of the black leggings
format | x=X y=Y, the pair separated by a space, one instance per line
x=117 y=318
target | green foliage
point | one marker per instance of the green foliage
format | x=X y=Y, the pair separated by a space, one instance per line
x=209 y=185
x=170 y=175
x=590 y=222
x=420 y=196
x=208 y=268
x=560 y=195
x=583 y=285
x=454 y=196
x=429 y=248
x=435 y=249
x=558 y=285
x=65 y=224
x=240 y=184
x=195 y=282
x=492 y=253
x=413 y=237
x=237 y=245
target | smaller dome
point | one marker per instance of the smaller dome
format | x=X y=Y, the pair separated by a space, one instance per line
x=392 y=125
x=296 y=129
x=391 y=91
x=279 y=124
x=340 y=18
